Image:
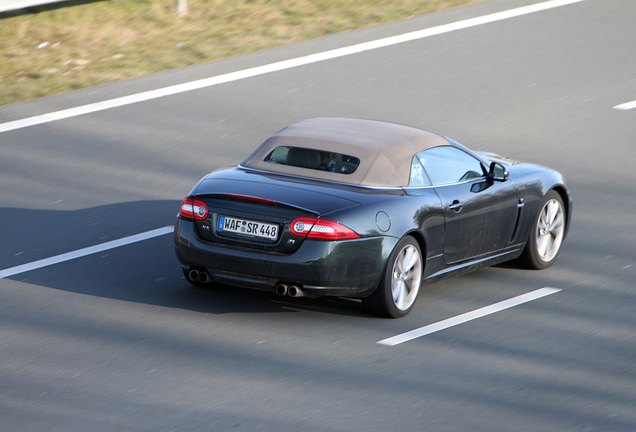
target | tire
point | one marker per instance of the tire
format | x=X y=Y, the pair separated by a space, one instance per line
x=546 y=236
x=400 y=284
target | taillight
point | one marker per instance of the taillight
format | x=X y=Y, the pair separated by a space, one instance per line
x=321 y=229
x=301 y=226
x=194 y=209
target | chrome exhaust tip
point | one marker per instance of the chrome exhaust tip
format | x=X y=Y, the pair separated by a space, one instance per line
x=204 y=277
x=281 y=289
x=295 y=291
x=193 y=275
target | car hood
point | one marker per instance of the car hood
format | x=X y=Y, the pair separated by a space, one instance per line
x=494 y=157
x=514 y=166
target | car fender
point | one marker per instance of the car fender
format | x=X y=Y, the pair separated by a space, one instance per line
x=416 y=213
x=532 y=183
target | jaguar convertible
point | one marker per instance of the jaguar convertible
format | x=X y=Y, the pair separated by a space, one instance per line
x=367 y=209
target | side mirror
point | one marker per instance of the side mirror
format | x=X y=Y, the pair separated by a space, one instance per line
x=498 y=172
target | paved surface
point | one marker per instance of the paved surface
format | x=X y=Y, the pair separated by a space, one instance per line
x=118 y=340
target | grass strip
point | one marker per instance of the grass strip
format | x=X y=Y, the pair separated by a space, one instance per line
x=76 y=44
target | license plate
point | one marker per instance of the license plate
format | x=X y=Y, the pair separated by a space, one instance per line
x=248 y=228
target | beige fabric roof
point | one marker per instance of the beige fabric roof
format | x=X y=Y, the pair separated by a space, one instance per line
x=385 y=149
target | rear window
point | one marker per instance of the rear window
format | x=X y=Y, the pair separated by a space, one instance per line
x=313 y=159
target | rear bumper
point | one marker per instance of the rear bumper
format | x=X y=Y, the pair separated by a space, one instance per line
x=351 y=268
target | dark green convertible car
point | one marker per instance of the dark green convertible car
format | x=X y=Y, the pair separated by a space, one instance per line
x=367 y=209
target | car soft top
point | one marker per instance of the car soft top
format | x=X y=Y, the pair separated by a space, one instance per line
x=385 y=149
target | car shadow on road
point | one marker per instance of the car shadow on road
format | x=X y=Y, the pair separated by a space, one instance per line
x=144 y=272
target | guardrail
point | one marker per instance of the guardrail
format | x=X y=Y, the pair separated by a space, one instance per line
x=9 y=5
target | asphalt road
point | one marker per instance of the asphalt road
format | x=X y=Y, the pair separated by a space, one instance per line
x=118 y=340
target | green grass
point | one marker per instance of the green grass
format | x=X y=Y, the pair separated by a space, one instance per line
x=73 y=45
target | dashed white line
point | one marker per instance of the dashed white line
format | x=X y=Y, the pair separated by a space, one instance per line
x=86 y=251
x=282 y=65
x=626 y=106
x=468 y=316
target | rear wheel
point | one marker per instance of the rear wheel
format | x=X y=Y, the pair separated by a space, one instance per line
x=400 y=284
x=547 y=234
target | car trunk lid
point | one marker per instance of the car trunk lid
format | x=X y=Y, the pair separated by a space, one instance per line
x=256 y=212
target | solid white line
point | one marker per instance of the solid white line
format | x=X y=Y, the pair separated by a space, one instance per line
x=86 y=251
x=282 y=65
x=626 y=106
x=468 y=316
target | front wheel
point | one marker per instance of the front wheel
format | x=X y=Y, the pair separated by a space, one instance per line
x=400 y=284
x=547 y=234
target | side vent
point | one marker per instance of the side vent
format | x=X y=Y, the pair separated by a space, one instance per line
x=519 y=209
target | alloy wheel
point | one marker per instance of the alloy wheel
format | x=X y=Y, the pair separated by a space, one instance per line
x=407 y=275
x=550 y=229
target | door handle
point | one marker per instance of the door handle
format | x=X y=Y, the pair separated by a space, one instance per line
x=456 y=206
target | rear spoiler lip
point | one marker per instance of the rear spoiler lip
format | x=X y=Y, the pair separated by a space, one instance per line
x=231 y=196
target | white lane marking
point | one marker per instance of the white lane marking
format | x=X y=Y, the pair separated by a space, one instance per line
x=86 y=251
x=626 y=106
x=468 y=316
x=282 y=65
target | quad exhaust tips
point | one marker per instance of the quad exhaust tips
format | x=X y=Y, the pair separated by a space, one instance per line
x=290 y=290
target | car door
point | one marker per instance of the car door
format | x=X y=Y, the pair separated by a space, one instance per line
x=479 y=214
